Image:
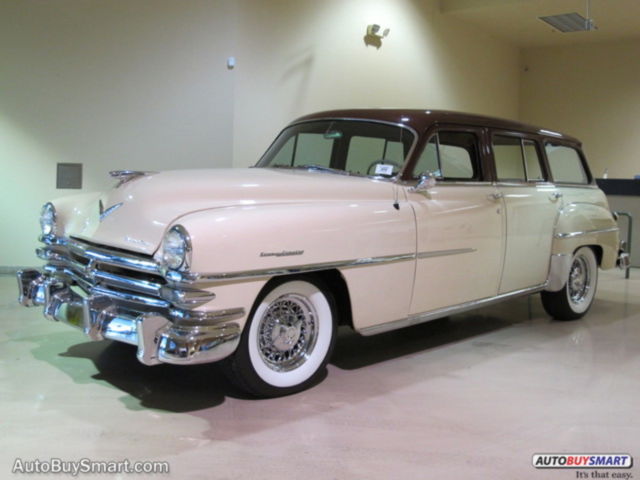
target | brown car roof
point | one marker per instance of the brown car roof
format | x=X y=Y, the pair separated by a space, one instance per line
x=420 y=120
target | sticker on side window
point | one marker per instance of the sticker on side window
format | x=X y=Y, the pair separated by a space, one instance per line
x=382 y=169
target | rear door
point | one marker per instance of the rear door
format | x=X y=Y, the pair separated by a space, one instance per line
x=532 y=205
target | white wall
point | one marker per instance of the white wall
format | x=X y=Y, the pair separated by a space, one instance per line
x=592 y=92
x=111 y=84
x=296 y=57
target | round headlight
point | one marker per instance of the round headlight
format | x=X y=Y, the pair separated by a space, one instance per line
x=48 y=219
x=176 y=248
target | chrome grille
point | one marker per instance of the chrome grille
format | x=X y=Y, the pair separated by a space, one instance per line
x=126 y=276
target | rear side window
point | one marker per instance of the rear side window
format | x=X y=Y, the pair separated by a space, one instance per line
x=532 y=161
x=450 y=156
x=516 y=159
x=566 y=164
x=508 y=155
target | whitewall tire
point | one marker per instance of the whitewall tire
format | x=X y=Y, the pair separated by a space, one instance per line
x=287 y=340
x=575 y=298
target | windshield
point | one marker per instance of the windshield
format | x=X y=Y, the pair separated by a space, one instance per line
x=341 y=146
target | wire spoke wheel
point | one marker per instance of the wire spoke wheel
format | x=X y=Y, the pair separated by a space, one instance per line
x=574 y=299
x=287 y=332
x=579 y=281
x=288 y=338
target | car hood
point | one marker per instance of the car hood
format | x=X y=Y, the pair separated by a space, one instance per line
x=136 y=214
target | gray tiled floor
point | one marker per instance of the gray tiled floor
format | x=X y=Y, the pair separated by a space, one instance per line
x=472 y=396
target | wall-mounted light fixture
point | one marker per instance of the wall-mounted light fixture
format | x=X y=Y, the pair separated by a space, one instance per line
x=376 y=30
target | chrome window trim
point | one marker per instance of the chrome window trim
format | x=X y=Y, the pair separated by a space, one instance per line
x=446 y=311
x=593 y=186
x=447 y=183
x=530 y=184
x=190 y=278
x=585 y=232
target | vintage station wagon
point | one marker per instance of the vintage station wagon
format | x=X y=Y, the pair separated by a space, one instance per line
x=377 y=219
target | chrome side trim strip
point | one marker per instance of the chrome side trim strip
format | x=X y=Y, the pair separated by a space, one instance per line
x=190 y=278
x=586 y=232
x=444 y=253
x=187 y=278
x=446 y=311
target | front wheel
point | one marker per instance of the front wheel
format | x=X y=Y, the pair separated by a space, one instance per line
x=575 y=298
x=288 y=339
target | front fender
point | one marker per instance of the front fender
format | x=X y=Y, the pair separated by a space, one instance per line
x=250 y=238
x=372 y=244
x=76 y=213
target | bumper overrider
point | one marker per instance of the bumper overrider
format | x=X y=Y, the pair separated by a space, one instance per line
x=117 y=295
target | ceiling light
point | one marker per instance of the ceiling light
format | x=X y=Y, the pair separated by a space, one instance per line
x=569 y=22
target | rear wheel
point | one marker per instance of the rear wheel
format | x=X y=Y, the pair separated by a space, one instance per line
x=288 y=339
x=575 y=298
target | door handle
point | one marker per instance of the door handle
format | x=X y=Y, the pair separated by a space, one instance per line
x=496 y=196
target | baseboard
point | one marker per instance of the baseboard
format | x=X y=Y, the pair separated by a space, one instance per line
x=5 y=270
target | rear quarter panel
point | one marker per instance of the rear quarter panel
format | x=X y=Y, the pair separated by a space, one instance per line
x=585 y=219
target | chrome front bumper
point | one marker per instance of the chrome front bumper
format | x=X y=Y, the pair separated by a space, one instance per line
x=159 y=339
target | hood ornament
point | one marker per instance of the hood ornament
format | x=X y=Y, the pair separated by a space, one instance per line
x=104 y=213
x=125 y=176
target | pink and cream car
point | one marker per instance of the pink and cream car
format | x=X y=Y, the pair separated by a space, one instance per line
x=377 y=219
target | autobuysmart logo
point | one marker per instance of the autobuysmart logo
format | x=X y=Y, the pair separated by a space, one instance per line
x=582 y=460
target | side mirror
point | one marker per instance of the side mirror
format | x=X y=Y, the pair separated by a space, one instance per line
x=427 y=182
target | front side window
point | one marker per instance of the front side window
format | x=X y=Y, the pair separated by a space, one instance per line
x=565 y=164
x=350 y=146
x=450 y=155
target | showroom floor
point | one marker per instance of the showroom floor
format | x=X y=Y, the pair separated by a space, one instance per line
x=472 y=396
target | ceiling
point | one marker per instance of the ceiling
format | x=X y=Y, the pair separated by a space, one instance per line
x=517 y=20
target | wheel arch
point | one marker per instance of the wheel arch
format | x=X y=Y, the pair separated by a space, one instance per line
x=331 y=279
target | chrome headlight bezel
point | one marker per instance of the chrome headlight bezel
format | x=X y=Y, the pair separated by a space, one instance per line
x=48 y=218
x=176 y=249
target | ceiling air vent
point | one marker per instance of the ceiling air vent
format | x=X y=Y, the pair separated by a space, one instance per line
x=570 y=22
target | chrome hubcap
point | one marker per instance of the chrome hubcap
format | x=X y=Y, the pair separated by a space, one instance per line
x=287 y=332
x=579 y=280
